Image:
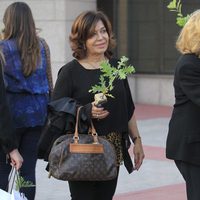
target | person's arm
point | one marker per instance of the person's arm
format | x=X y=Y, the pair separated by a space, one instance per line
x=135 y=136
x=189 y=79
x=16 y=159
x=133 y=129
x=7 y=136
x=63 y=85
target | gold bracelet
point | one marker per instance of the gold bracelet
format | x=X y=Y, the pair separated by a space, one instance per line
x=135 y=138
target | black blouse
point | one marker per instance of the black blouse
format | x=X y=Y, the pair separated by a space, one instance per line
x=74 y=81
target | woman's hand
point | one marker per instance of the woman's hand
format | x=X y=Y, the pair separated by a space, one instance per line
x=99 y=113
x=16 y=159
x=138 y=153
x=135 y=136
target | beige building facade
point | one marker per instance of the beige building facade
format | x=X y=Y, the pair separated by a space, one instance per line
x=54 y=19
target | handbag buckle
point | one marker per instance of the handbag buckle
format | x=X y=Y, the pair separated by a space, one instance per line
x=76 y=139
x=96 y=141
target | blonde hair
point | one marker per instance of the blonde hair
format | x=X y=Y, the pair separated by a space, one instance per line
x=189 y=38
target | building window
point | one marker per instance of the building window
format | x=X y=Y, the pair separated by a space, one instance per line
x=146 y=32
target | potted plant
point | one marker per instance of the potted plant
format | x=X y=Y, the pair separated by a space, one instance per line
x=106 y=79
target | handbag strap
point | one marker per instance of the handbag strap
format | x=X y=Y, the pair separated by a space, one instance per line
x=48 y=69
x=93 y=130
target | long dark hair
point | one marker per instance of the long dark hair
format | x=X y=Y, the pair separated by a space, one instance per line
x=20 y=25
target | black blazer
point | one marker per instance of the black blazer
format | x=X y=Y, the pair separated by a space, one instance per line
x=7 y=135
x=183 y=141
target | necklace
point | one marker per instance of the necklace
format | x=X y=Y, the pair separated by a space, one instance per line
x=95 y=65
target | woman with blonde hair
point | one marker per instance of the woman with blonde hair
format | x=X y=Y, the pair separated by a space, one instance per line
x=27 y=88
x=183 y=141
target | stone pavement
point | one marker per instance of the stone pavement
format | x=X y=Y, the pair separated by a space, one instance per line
x=158 y=178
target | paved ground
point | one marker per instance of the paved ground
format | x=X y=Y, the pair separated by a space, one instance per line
x=158 y=179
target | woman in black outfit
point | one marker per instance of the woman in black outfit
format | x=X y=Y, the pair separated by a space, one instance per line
x=7 y=134
x=183 y=142
x=91 y=42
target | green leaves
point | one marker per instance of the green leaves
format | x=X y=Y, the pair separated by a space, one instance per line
x=175 y=6
x=21 y=183
x=172 y=5
x=109 y=74
x=181 y=21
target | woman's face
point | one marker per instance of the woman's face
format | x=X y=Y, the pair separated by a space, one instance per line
x=97 y=44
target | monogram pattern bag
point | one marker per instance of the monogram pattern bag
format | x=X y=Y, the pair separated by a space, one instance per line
x=82 y=157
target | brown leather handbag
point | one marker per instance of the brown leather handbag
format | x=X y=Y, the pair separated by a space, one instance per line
x=82 y=157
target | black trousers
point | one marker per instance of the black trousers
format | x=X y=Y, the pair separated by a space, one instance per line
x=93 y=190
x=28 y=139
x=191 y=174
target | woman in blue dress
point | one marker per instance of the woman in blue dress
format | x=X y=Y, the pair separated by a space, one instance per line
x=27 y=88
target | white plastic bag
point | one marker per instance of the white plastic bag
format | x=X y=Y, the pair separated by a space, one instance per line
x=4 y=195
x=13 y=193
x=16 y=195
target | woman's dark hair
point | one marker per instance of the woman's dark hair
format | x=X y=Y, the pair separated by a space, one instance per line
x=20 y=25
x=83 y=28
